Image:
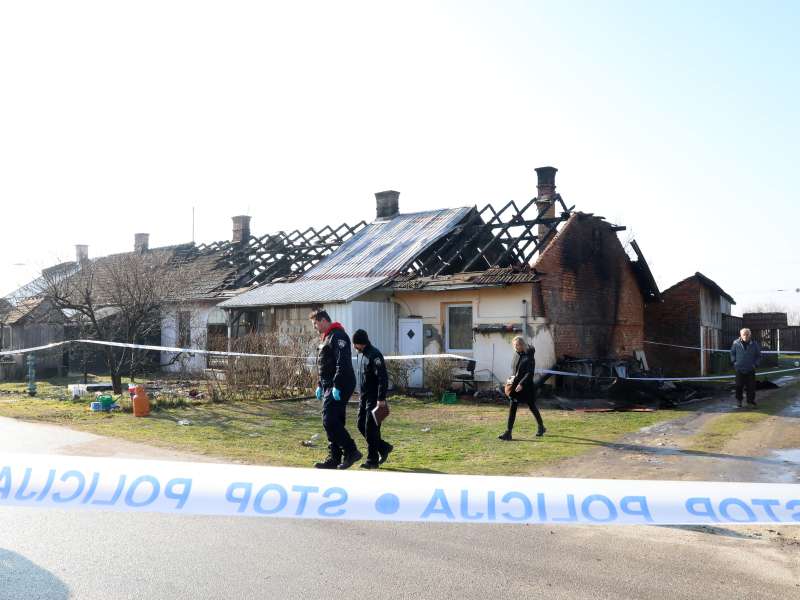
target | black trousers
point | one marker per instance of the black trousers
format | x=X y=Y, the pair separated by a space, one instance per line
x=334 y=419
x=746 y=381
x=528 y=399
x=371 y=430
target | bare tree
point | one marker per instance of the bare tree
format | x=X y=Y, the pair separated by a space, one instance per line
x=118 y=298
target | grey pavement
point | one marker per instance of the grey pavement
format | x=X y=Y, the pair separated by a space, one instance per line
x=56 y=555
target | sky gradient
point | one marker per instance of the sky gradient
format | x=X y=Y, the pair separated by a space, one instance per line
x=677 y=120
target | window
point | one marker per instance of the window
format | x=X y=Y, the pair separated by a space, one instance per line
x=5 y=337
x=184 y=329
x=459 y=328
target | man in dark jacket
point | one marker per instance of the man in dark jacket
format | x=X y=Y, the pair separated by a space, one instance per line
x=337 y=382
x=373 y=380
x=745 y=356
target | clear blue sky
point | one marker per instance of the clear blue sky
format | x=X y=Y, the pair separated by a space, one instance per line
x=677 y=119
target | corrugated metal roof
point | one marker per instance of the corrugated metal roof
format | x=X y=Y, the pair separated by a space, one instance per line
x=316 y=291
x=376 y=253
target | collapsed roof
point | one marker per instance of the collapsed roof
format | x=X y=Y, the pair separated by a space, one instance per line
x=431 y=244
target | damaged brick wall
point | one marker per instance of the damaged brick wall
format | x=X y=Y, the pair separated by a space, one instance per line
x=590 y=293
x=676 y=320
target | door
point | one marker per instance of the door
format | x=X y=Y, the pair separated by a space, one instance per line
x=410 y=336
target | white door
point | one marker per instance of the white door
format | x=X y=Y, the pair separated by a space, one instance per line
x=410 y=336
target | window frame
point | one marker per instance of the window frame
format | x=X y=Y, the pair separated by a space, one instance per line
x=447 y=327
x=179 y=330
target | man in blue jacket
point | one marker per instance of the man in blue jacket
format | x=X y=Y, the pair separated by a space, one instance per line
x=745 y=356
x=337 y=382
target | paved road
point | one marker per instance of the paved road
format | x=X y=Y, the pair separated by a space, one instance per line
x=56 y=555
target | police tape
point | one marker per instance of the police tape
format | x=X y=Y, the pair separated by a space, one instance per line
x=709 y=378
x=409 y=357
x=123 y=485
x=719 y=349
x=177 y=350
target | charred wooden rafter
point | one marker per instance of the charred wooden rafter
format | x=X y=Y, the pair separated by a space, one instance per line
x=278 y=255
x=489 y=238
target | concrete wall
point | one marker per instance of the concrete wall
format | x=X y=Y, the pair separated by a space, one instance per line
x=491 y=351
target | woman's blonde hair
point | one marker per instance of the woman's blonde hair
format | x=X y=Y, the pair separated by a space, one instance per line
x=521 y=340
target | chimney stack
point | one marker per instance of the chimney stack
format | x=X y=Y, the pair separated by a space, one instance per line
x=545 y=200
x=388 y=204
x=81 y=253
x=241 y=229
x=141 y=242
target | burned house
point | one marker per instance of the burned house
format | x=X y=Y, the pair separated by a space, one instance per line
x=695 y=312
x=465 y=281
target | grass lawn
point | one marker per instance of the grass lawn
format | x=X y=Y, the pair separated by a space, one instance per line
x=428 y=437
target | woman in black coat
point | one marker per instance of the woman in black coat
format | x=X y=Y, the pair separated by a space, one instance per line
x=522 y=388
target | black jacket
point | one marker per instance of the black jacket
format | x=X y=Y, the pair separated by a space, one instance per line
x=335 y=362
x=523 y=366
x=373 y=377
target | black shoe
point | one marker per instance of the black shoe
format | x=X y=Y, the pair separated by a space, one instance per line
x=505 y=436
x=370 y=464
x=328 y=463
x=738 y=405
x=384 y=455
x=541 y=431
x=751 y=403
x=350 y=458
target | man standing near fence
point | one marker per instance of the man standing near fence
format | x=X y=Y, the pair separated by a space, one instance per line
x=337 y=382
x=373 y=380
x=745 y=356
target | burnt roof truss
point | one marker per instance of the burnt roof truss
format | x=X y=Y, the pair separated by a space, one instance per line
x=280 y=255
x=488 y=238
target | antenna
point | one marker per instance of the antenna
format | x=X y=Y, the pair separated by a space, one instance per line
x=193 y=224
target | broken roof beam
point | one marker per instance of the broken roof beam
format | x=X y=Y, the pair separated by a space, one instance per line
x=497 y=237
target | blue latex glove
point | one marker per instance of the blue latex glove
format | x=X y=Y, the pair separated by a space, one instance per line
x=319 y=393
x=337 y=395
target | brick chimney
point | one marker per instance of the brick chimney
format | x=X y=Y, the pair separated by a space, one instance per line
x=545 y=199
x=141 y=242
x=81 y=253
x=241 y=229
x=388 y=204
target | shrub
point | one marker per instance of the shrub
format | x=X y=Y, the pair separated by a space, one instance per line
x=439 y=375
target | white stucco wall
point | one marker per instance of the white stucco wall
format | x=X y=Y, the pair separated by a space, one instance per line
x=492 y=352
x=198 y=324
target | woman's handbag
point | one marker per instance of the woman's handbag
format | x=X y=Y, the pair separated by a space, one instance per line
x=508 y=388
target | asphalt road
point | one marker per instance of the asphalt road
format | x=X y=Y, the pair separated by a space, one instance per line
x=56 y=555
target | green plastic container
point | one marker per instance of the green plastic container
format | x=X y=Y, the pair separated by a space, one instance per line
x=105 y=401
x=449 y=398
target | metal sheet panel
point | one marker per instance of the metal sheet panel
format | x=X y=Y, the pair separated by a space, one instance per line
x=305 y=292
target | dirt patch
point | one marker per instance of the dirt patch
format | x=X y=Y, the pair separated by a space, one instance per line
x=768 y=451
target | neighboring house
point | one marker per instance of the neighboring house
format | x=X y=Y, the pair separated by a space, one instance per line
x=29 y=323
x=222 y=269
x=206 y=273
x=460 y=281
x=695 y=312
